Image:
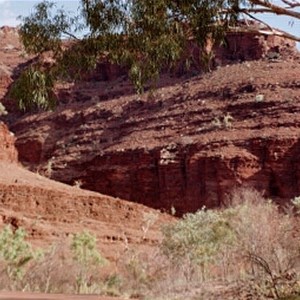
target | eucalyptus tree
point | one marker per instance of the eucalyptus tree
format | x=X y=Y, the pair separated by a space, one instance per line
x=146 y=36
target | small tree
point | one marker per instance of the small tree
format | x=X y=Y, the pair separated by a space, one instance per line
x=197 y=239
x=15 y=252
x=86 y=255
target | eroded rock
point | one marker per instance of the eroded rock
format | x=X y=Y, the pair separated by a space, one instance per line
x=8 y=151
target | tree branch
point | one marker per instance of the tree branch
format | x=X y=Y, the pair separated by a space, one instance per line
x=71 y=35
x=276 y=9
x=258 y=20
x=291 y=4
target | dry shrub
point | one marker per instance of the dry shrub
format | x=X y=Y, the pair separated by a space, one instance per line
x=54 y=273
x=138 y=270
x=250 y=246
x=68 y=267
x=267 y=246
x=250 y=241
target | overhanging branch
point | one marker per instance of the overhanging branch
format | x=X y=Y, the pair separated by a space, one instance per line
x=71 y=35
x=291 y=4
x=278 y=10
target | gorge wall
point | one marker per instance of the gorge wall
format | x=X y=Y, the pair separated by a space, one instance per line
x=188 y=177
x=185 y=176
x=186 y=145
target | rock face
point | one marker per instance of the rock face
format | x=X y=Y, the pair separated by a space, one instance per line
x=186 y=146
x=250 y=46
x=11 y=59
x=237 y=47
x=8 y=151
x=189 y=177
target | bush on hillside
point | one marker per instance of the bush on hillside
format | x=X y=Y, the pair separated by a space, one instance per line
x=197 y=239
x=251 y=240
x=15 y=254
x=87 y=257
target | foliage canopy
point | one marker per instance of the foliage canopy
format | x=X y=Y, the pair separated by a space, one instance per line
x=146 y=36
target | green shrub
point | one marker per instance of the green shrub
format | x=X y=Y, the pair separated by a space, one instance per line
x=197 y=238
x=249 y=241
x=34 y=90
x=15 y=253
x=87 y=257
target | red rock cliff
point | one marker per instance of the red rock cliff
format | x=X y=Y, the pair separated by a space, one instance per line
x=8 y=151
x=186 y=146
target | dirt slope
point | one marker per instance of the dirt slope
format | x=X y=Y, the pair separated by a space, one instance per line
x=51 y=211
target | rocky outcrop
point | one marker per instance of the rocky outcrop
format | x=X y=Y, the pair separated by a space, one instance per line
x=236 y=47
x=5 y=80
x=11 y=58
x=186 y=146
x=250 y=46
x=188 y=177
x=8 y=151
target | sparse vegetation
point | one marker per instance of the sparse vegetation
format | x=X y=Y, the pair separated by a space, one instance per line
x=225 y=122
x=148 y=220
x=78 y=183
x=197 y=239
x=15 y=254
x=228 y=119
x=296 y=202
x=250 y=241
x=249 y=245
x=87 y=257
